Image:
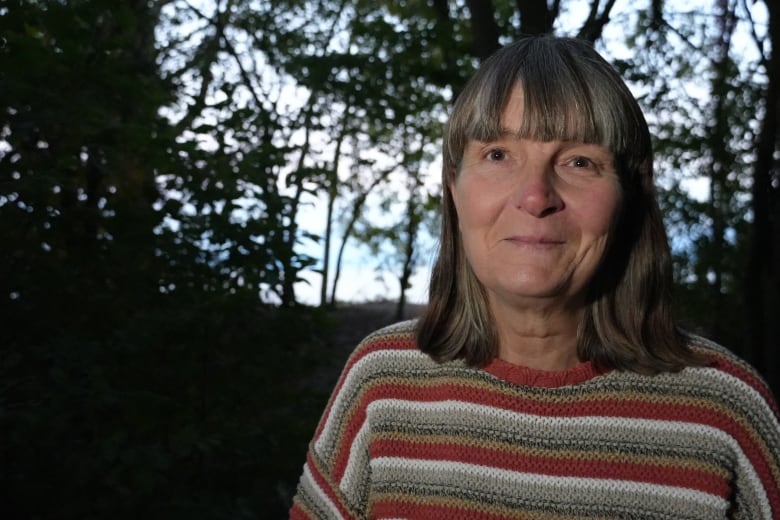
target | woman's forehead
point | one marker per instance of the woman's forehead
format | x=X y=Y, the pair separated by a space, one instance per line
x=512 y=114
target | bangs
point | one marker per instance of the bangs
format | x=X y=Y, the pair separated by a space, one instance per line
x=568 y=95
x=558 y=104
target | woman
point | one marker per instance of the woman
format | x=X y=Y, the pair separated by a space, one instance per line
x=546 y=378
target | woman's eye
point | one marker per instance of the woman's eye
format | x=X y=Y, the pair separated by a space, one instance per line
x=496 y=154
x=581 y=162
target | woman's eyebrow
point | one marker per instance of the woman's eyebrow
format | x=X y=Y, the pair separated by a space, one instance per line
x=506 y=133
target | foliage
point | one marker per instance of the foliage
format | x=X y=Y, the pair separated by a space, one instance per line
x=79 y=125
x=226 y=205
x=141 y=376
x=155 y=161
x=688 y=67
x=197 y=407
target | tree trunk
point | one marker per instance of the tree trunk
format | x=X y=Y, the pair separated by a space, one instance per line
x=357 y=208
x=763 y=274
x=594 y=25
x=484 y=29
x=720 y=163
x=286 y=244
x=412 y=225
x=332 y=185
x=327 y=243
x=536 y=17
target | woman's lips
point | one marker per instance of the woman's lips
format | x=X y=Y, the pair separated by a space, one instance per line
x=535 y=241
x=534 y=244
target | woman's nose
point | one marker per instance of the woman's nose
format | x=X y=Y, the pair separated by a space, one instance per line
x=535 y=191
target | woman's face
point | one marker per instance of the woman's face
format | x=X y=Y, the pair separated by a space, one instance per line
x=535 y=217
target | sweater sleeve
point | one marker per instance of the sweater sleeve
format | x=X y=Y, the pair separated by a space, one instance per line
x=334 y=483
x=318 y=495
x=754 y=427
x=757 y=475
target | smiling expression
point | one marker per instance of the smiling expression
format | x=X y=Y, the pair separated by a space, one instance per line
x=535 y=217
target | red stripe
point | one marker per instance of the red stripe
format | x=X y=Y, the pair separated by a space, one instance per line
x=599 y=407
x=758 y=454
x=392 y=508
x=347 y=440
x=607 y=406
x=355 y=422
x=593 y=406
x=691 y=413
x=704 y=481
x=296 y=513
x=724 y=364
x=386 y=344
x=327 y=486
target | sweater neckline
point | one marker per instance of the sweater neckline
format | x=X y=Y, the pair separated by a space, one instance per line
x=525 y=376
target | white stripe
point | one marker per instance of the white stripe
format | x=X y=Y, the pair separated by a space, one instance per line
x=358 y=460
x=487 y=412
x=330 y=429
x=742 y=391
x=741 y=395
x=321 y=494
x=745 y=392
x=484 y=414
x=564 y=483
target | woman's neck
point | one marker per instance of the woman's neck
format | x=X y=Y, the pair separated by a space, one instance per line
x=539 y=339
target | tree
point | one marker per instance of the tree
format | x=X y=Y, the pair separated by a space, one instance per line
x=717 y=141
x=234 y=208
x=762 y=280
x=78 y=164
x=722 y=163
x=381 y=77
x=155 y=158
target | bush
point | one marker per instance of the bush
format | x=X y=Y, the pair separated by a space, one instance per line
x=191 y=408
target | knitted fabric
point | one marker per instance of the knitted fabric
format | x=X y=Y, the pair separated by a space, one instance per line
x=406 y=437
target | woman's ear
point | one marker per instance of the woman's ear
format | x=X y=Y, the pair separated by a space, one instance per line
x=453 y=196
x=453 y=191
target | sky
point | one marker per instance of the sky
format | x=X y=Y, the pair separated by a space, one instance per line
x=361 y=279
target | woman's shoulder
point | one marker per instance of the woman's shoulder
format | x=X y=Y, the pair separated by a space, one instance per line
x=727 y=373
x=722 y=381
x=400 y=334
x=387 y=348
x=397 y=337
x=721 y=359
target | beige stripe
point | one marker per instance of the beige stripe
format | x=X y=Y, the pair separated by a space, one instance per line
x=521 y=491
x=562 y=433
x=675 y=461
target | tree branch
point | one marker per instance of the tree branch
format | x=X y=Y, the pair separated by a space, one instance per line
x=483 y=27
x=536 y=17
x=594 y=25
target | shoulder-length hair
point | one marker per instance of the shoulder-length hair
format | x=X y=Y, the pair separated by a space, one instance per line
x=571 y=94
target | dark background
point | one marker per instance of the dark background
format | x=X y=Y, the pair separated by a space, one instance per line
x=154 y=358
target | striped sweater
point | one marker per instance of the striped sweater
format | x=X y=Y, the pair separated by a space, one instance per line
x=405 y=437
